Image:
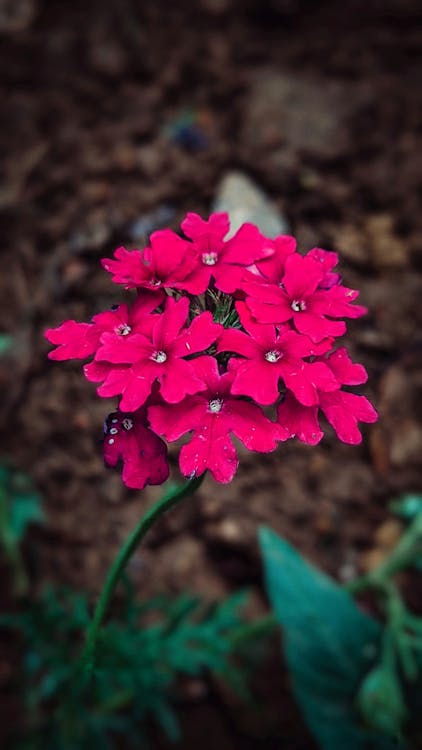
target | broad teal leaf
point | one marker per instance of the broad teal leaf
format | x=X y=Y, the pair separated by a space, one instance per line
x=329 y=644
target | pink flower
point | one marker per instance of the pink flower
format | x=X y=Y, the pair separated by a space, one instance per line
x=144 y=455
x=343 y=410
x=213 y=416
x=302 y=301
x=271 y=356
x=165 y=263
x=224 y=261
x=158 y=355
x=81 y=340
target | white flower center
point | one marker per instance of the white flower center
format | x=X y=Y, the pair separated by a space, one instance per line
x=273 y=355
x=123 y=329
x=127 y=423
x=298 y=305
x=209 y=259
x=159 y=357
x=215 y=405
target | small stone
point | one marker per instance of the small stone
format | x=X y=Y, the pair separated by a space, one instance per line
x=245 y=201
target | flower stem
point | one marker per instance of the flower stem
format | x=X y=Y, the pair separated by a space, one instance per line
x=403 y=555
x=167 y=501
x=253 y=630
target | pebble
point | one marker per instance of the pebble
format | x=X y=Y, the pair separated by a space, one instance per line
x=244 y=201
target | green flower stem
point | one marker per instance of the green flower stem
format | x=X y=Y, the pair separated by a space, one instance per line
x=169 y=499
x=403 y=555
x=256 y=629
x=11 y=548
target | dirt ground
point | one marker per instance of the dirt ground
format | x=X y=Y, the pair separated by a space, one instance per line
x=318 y=103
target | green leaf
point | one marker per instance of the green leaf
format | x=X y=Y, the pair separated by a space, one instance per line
x=6 y=342
x=329 y=645
x=407 y=506
x=24 y=510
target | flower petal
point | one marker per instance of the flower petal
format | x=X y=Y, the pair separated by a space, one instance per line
x=306 y=379
x=128 y=268
x=336 y=302
x=317 y=327
x=178 y=380
x=249 y=423
x=346 y=371
x=123 y=349
x=201 y=333
x=302 y=276
x=257 y=379
x=167 y=325
x=143 y=453
x=343 y=411
x=218 y=456
x=299 y=421
x=247 y=246
x=193 y=226
x=73 y=340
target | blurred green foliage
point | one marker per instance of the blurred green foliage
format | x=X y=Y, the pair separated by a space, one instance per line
x=6 y=343
x=20 y=506
x=140 y=657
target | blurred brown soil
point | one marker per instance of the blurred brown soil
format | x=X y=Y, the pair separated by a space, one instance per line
x=318 y=102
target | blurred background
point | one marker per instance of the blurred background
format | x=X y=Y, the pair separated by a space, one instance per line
x=118 y=117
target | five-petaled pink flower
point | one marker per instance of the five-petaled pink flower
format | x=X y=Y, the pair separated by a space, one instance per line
x=164 y=264
x=177 y=369
x=300 y=299
x=271 y=355
x=128 y=438
x=81 y=340
x=212 y=416
x=158 y=355
x=222 y=260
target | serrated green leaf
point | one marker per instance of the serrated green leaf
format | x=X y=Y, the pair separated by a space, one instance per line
x=329 y=645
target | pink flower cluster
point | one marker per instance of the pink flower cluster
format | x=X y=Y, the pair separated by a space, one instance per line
x=219 y=329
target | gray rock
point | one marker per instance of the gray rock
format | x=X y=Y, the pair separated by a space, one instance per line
x=245 y=201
